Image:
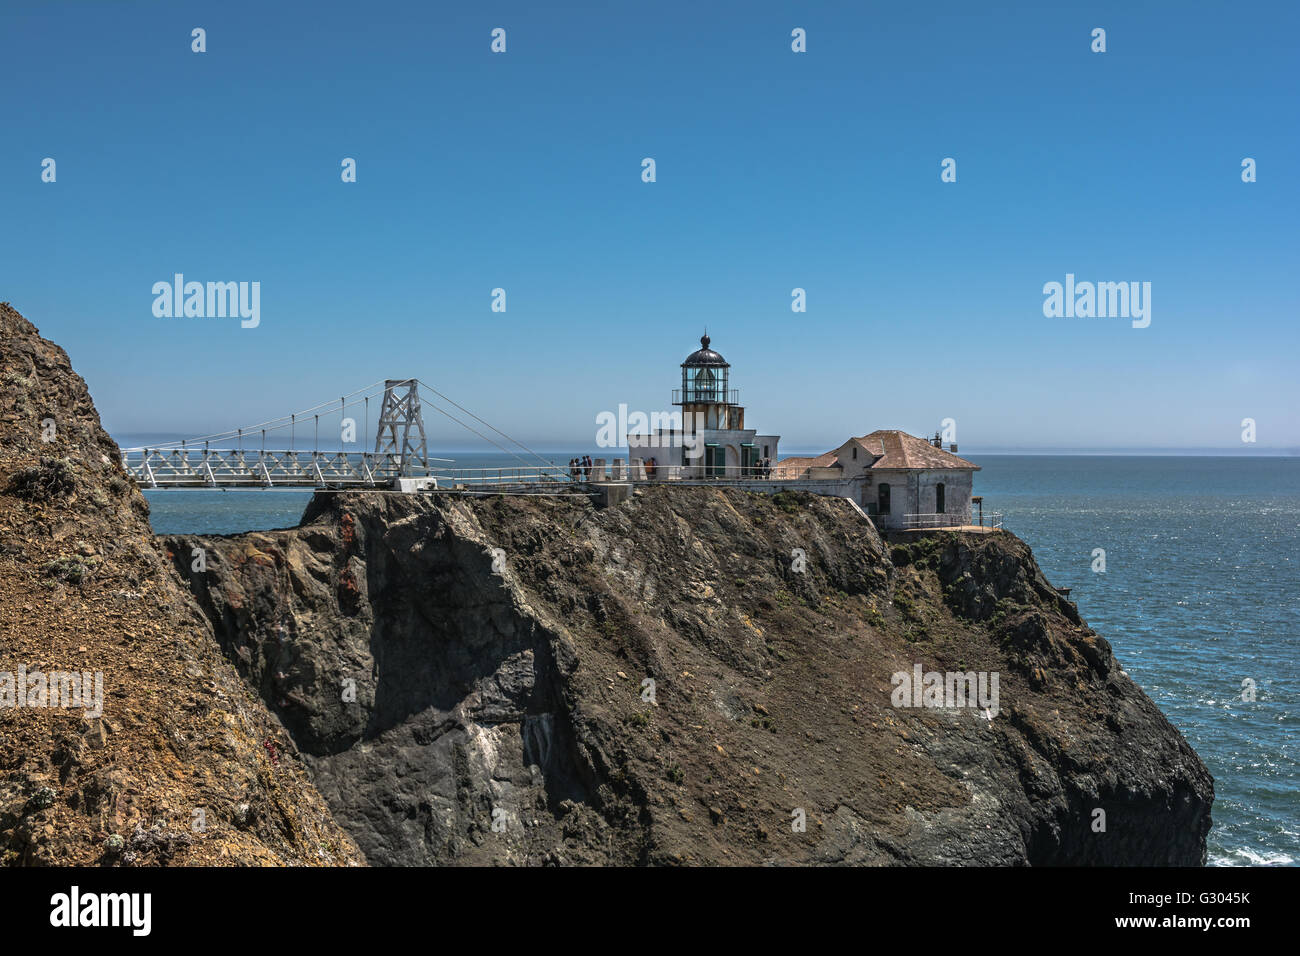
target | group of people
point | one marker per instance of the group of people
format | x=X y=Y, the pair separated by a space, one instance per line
x=761 y=468
x=580 y=468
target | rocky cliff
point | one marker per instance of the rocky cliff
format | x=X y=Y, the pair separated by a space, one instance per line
x=183 y=765
x=692 y=676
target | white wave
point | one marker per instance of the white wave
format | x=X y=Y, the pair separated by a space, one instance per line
x=1244 y=856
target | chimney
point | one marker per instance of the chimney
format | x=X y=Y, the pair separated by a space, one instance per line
x=953 y=448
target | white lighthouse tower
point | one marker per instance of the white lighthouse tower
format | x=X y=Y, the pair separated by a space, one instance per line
x=708 y=437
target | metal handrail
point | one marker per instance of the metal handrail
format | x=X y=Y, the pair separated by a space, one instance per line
x=703 y=396
x=261 y=468
x=934 y=520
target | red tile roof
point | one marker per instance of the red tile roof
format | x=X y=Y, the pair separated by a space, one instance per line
x=890 y=448
x=907 y=451
x=794 y=467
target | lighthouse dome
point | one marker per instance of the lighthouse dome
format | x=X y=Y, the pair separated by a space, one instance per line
x=704 y=356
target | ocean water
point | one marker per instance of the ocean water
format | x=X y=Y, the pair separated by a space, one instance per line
x=1199 y=593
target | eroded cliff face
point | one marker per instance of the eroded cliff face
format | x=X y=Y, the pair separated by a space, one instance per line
x=182 y=764
x=470 y=681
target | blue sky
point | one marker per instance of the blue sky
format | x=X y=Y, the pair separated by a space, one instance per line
x=775 y=170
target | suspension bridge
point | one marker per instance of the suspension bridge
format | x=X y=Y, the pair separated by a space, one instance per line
x=240 y=458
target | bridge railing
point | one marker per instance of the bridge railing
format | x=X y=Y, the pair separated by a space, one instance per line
x=269 y=468
x=527 y=474
x=258 y=468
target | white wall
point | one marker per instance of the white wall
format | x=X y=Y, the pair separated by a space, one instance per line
x=666 y=447
x=914 y=492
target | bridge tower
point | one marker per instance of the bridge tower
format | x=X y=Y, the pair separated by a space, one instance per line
x=401 y=425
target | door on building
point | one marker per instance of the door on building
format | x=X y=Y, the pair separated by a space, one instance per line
x=749 y=461
x=882 y=499
x=938 y=499
x=715 y=461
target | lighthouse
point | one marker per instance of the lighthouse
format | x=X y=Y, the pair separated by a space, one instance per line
x=707 y=437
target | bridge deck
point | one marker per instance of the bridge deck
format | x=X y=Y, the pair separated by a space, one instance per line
x=257 y=468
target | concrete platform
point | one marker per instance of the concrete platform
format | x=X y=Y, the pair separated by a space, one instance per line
x=888 y=533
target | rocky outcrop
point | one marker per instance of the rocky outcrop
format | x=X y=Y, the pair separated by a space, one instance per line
x=183 y=765
x=693 y=676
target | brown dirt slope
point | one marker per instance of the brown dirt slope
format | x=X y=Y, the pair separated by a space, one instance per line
x=184 y=766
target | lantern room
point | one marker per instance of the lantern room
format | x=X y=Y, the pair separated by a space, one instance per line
x=705 y=390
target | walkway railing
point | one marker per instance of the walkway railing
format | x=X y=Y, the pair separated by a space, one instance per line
x=697 y=473
x=933 y=521
x=911 y=521
x=257 y=468
x=260 y=468
x=450 y=477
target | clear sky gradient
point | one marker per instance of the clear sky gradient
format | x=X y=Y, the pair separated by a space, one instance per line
x=775 y=170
